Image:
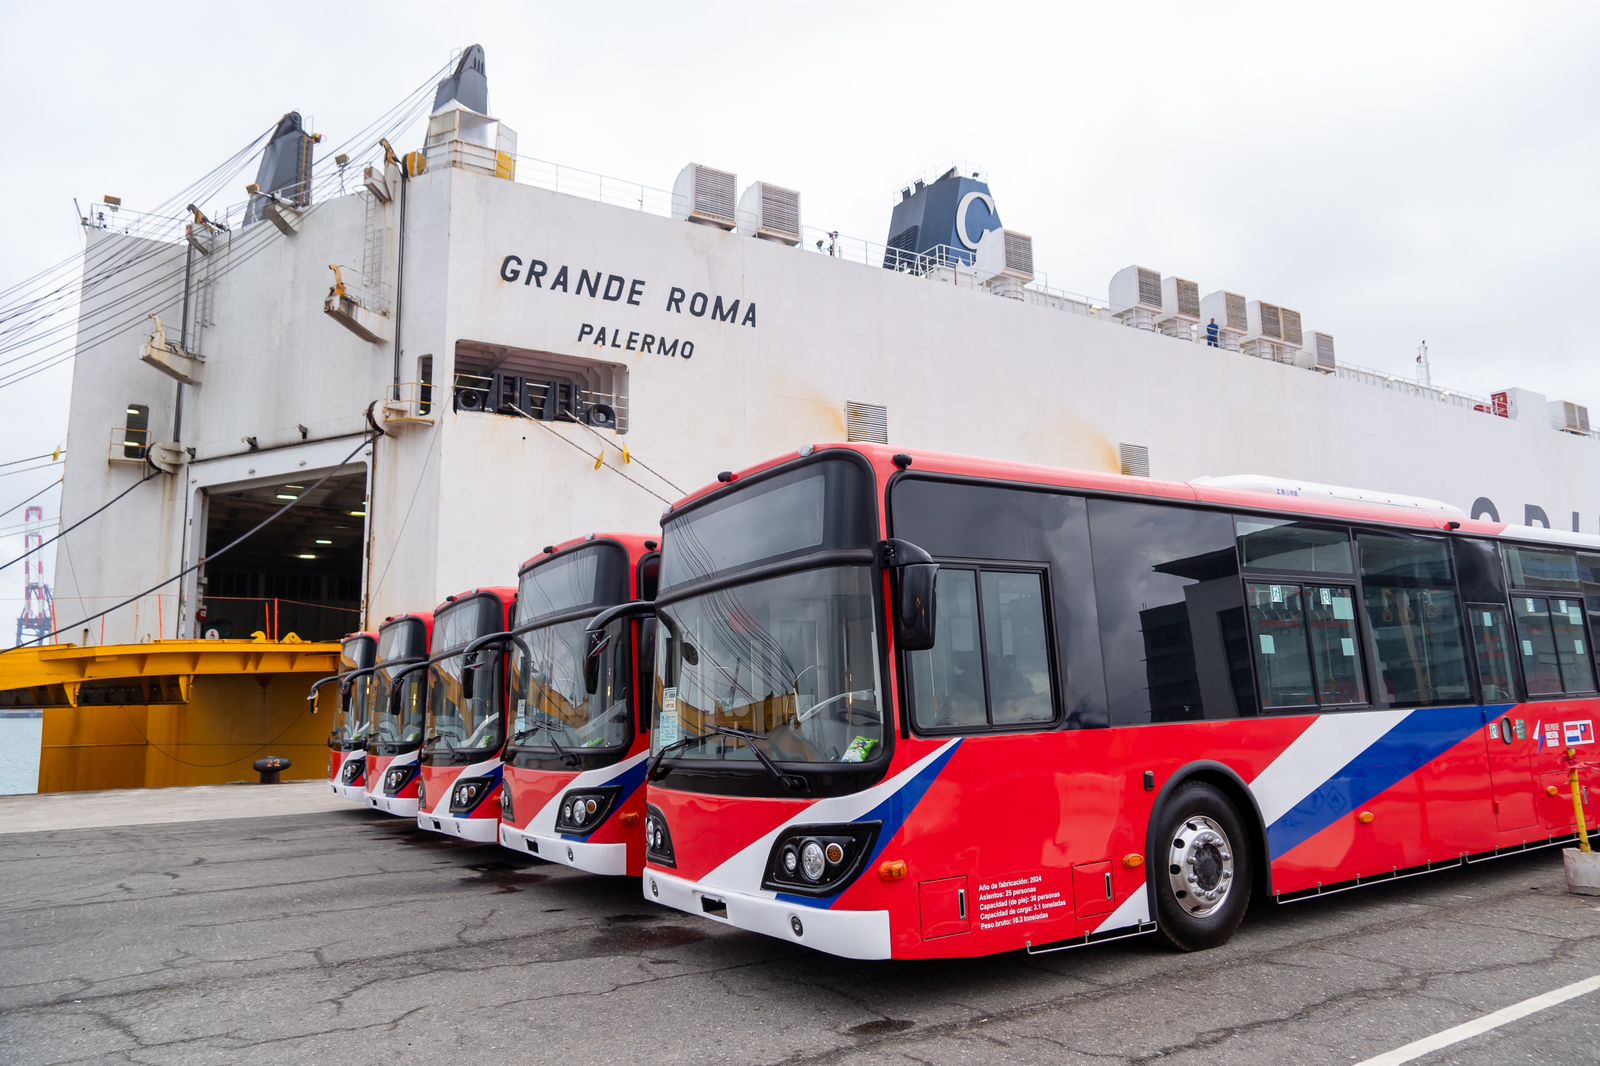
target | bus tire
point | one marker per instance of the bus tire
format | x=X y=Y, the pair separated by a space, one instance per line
x=1202 y=868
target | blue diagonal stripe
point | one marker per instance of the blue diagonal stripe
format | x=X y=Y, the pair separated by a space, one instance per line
x=1418 y=739
x=892 y=812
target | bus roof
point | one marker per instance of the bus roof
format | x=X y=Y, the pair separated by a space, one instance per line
x=637 y=545
x=1097 y=482
x=502 y=593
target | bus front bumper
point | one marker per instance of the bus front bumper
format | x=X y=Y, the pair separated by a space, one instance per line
x=353 y=793
x=395 y=805
x=477 y=830
x=608 y=859
x=850 y=934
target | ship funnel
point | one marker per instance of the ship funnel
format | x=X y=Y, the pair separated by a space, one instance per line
x=285 y=173
x=468 y=86
x=940 y=219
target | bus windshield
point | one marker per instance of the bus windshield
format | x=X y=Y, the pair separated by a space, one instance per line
x=788 y=664
x=350 y=725
x=552 y=710
x=354 y=654
x=452 y=723
x=406 y=727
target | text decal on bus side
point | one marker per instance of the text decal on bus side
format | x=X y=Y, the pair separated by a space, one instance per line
x=607 y=287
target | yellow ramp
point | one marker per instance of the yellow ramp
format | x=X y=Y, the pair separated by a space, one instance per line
x=181 y=712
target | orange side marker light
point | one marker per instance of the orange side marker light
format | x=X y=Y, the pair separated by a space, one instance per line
x=1132 y=860
x=892 y=870
x=629 y=818
x=1365 y=817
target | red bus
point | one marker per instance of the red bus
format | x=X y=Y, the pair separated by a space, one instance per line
x=346 y=746
x=394 y=733
x=575 y=761
x=918 y=705
x=464 y=725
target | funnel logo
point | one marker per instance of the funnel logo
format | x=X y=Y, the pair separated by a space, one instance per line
x=1575 y=733
x=964 y=211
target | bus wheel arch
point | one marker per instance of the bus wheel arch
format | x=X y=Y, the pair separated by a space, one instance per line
x=1214 y=802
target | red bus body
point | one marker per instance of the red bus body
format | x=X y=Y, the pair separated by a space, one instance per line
x=541 y=783
x=984 y=841
x=464 y=737
x=394 y=742
x=346 y=754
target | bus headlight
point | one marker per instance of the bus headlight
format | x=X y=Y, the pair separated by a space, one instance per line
x=657 y=838
x=466 y=795
x=396 y=778
x=819 y=860
x=582 y=810
x=812 y=863
x=353 y=769
x=507 y=812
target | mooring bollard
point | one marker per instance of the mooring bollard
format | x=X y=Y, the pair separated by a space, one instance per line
x=1582 y=864
x=270 y=767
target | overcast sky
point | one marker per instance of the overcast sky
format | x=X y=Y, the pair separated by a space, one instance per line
x=1394 y=171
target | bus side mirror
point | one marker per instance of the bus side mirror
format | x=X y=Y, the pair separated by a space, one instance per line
x=595 y=644
x=915 y=577
x=597 y=638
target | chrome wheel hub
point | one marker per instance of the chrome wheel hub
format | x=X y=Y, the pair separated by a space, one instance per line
x=1200 y=866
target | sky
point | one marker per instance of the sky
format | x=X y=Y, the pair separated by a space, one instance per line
x=1397 y=172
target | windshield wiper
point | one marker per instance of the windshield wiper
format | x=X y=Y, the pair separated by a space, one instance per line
x=788 y=781
x=567 y=757
x=440 y=736
x=681 y=742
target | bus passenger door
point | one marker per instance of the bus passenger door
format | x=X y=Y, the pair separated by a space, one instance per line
x=1507 y=733
x=1510 y=742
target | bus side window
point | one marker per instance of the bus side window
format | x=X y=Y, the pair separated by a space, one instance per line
x=1415 y=616
x=1589 y=574
x=1556 y=657
x=1491 y=638
x=947 y=690
x=990 y=665
x=1282 y=651
x=1016 y=648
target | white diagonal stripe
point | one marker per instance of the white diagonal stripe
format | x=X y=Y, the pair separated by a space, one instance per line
x=1315 y=756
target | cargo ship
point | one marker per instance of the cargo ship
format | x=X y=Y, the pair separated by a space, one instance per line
x=396 y=368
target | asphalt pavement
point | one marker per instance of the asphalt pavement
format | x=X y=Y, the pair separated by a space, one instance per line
x=346 y=937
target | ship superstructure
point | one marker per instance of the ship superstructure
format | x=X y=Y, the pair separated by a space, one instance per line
x=444 y=358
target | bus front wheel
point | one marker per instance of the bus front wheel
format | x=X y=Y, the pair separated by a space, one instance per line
x=1202 y=870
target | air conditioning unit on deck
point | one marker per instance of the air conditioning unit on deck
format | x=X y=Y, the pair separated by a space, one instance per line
x=1317 y=354
x=704 y=194
x=1180 y=307
x=1229 y=309
x=1569 y=417
x=1271 y=332
x=770 y=212
x=1136 y=296
x=1004 y=261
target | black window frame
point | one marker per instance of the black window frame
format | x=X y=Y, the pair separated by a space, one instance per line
x=978 y=567
x=1519 y=685
x=1304 y=584
x=1587 y=657
x=1474 y=695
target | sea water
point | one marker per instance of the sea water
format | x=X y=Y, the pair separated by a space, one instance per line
x=19 y=755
